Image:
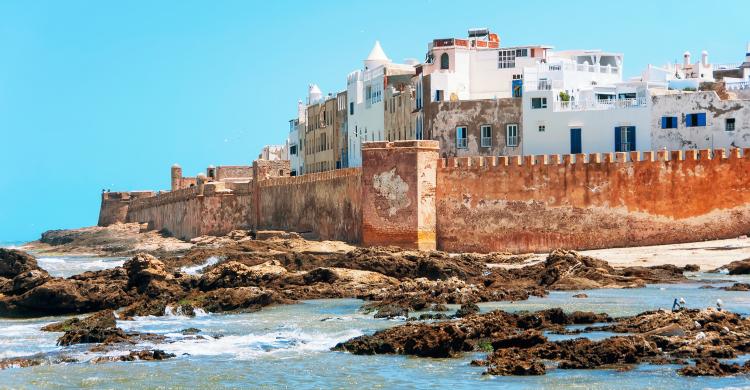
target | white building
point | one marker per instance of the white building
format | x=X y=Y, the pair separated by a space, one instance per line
x=365 y=94
x=477 y=67
x=576 y=102
x=683 y=76
x=273 y=153
x=294 y=141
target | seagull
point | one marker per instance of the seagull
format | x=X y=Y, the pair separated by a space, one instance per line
x=719 y=303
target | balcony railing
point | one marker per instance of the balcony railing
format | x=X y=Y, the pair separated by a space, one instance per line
x=737 y=85
x=603 y=104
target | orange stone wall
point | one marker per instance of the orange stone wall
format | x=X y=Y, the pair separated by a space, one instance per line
x=327 y=204
x=398 y=193
x=538 y=203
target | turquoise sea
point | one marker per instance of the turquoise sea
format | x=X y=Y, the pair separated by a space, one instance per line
x=289 y=347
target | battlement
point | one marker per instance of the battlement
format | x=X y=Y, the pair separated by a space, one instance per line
x=310 y=177
x=418 y=144
x=506 y=162
x=406 y=195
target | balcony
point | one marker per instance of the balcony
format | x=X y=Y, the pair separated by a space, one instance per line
x=604 y=104
x=737 y=85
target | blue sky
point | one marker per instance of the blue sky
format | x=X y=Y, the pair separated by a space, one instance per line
x=105 y=94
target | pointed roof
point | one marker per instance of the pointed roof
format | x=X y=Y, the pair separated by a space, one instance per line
x=377 y=53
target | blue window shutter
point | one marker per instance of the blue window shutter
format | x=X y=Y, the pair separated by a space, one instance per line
x=702 y=119
x=618 y=139
x=631 y=138
x=664 y=122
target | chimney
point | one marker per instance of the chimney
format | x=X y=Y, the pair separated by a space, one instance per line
x=686 y=60
x=704 y=58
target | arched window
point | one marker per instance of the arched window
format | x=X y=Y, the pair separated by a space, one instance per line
x=444 y=61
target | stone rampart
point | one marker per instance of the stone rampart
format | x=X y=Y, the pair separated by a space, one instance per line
x=538 y=203
x=405 y=195
x=328 y=204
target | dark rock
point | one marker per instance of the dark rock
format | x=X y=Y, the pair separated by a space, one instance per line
x=391 y=311
x=467 y=309
x=244 y=299
x=738 y=287
x=27 y=280
x=739 y=267
x=145 y=355
x=14 y=262
x=320 y=275
x=513 y=362
x=691 y=268
x=525 y=339
x=189 y=331
x=713 y=367
x=100 y=327
x=581 y=295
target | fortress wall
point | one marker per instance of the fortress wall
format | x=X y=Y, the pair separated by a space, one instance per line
x=538 y=203
x=329 y=204
x=115 y=205
x=207 y=209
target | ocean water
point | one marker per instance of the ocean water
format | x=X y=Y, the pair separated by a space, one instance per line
x=289 y=347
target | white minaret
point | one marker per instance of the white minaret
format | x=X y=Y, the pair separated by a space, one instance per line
x=377 y=57
x=313 y=94
x=686 y=60
x=301 y=112
x=704 y=58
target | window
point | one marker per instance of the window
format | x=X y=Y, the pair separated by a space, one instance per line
x=542 y=128
x=511 y=135
x=625 y=139
x=695 y=120
x=439 y=95
x=444 y=61
x=351 y=108
x=730 y=124
x=486 y=136
x=506 y=59
x=293 y=150
x=538 y=103
x=522 y=52
x=669 y=122
x=461 y=137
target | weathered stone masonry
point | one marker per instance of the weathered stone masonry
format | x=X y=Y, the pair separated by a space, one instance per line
x=405 y=195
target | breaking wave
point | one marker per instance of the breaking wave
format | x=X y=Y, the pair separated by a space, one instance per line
x=196 y=269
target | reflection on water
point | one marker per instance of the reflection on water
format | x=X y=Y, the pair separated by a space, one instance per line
x=289 y=347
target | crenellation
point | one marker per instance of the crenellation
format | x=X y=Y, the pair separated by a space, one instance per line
x=408 y=196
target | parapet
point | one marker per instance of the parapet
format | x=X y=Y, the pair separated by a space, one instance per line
x=661 y=156
x=419 y=144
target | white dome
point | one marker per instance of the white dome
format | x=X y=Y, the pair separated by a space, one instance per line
x=377 y=57
x=314 y=94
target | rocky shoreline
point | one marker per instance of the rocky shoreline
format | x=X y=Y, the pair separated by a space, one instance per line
x=244 y=272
